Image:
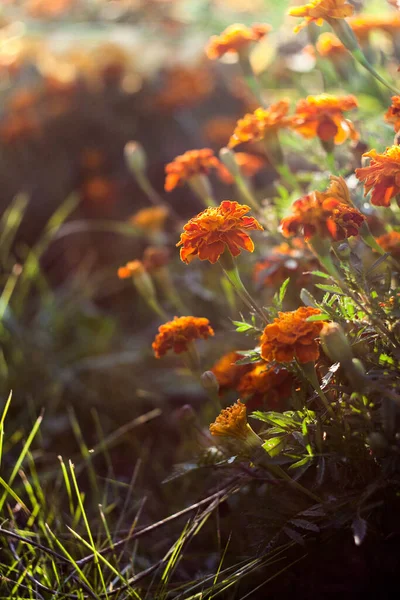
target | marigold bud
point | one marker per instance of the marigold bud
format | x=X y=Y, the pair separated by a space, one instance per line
x=209 y=382
x=335 y=343
x=135 y=157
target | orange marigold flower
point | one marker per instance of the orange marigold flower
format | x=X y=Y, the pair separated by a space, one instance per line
x=382 y=175
x=227 y=372
x=216 y=229
x=329 y=46
x=184 y=86
x=392 y=114
x=319 y=10
x=176 y=335
x=193 y=162
x=292 y=336
x=235 y=38
x=362 y=25
x=255 y=126
x=327 y=215
x=264 y=379
x=250 y=164
x=390 y=242
x=284 y=261
x=150 y=219
x=322 y=116
x=131 y=269
x=231 y=422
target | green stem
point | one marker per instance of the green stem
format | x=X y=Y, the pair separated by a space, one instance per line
x=230 y=269
x=250 y=77
x=308 y=369
x=153 y=304
x=246 y=192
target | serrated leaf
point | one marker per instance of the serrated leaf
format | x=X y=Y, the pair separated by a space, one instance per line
x=294 y=535
x=320 y=317
x=320 y=274
x=303 y=524
x=359 y=527
x=274 y=418
x=283 y=289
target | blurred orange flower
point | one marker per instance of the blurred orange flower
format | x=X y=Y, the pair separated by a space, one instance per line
x=268 y=379
x=155 y=257
x=151 y=218
x=235 y=38
x=284 y=261
x=250 y=164
x=193 y=162
x=323 y=215
x=390 y=242
x=231 y=422
x=392 y=114
x=329 y=46
x=322 y=116
x=176 y=335
x=131 y=269
x=227 y=372
x=255 y=126
x=291 y=336
x=382 y=175
x=319 y=10
x=184 y=86
x=216 y=229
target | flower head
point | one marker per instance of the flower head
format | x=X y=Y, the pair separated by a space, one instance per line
x=329 y=46
x=390 y=242
x=322 y=116
x=231 y=422
x=216 y=229
x=131 y=269
x=292 y=336
x=250 y=164
x=319 y=10
x=227 y=372
x=176 y=335
x=235 y=38
x=150 y=219
x=255 y=126
x=268 y=380
x=392 y=114
x=382 y=175
x=192 y=163
x=325 y=214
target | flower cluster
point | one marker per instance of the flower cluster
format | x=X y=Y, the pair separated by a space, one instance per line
x=192 y=163
x=291 y=336
x=235 y=38
x=382 y=175
x=317 y=11
x=256 y=126
x=216 y=229
x=324 y=214
x=176 y=335
x=323 y=116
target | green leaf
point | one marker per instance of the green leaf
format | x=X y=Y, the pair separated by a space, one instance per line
x=302 y=462
x=308 y=299
x=333 y=289
x=320 y=274
x=321 y=317
x=303 y=524
x=283 y=289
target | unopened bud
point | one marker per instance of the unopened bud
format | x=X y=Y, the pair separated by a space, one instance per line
x=343 y=251
x=209 y=382
x=135 y=157
x=335 y=343
x=140 y=276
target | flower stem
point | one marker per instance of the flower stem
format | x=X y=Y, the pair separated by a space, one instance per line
x=308 y=369
x=231 y=271
x=250 y=77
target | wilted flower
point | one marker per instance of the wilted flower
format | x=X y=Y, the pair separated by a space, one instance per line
x=227 y=372
x=192 y=163
x=382 y=175
x=131 y=269
x=319 y=10
x=176 y=335
x=390 y=242
x=150 y=219
x=266 y=379
x=255 y=126
x=392 y=114
x=329 y=46
x=216 y=229
x=323 y=215
x=292 y=336
x=322 y=116
x=235 y=38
